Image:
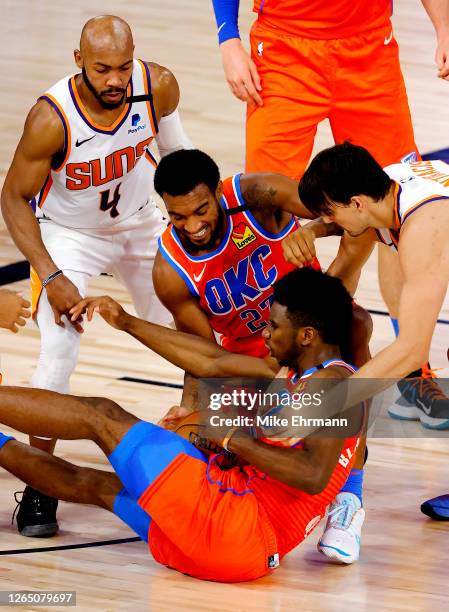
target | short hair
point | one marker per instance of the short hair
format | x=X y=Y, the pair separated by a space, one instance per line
x=315 y=299
x=337 y=174
x=181 y=171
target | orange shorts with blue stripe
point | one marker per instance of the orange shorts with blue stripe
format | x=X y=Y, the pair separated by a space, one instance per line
x=200 y=520
x=356 y=82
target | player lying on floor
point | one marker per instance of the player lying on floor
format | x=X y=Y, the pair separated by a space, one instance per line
x=211 y=523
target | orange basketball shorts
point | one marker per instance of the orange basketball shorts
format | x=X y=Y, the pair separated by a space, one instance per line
x=355 y=82
x=197 y=518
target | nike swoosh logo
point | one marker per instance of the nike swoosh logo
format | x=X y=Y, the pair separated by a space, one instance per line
x=422 y=405
x=388 y=40
x=78 y=143
x=221 y=27
x=198 y=277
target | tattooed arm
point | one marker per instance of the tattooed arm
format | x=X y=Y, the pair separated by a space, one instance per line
x=267 y=192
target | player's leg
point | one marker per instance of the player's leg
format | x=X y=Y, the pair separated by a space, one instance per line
x=340 y=541
x=134 y=253
x=80 y=256
x=280 y=134
x=370 y=108
x=60 y=479
x=49 y=414
x=57 y=360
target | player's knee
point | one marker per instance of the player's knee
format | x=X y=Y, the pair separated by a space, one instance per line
x=109 y=410
x=59 y=347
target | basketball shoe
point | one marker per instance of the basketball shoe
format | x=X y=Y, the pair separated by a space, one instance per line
x=437 y=508
x=340 y=541
x=36 y=516
x=422 y=400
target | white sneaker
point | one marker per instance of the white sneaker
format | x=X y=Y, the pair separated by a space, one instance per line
x=340 y=541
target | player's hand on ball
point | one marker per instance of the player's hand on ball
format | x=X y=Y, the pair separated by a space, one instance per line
x=14 y=309
x=62 y=295
x=109 y=309
x=299 y=247
x=173 y=416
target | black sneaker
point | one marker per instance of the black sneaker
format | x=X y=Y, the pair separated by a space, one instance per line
x=36 y=516
x=422 y=399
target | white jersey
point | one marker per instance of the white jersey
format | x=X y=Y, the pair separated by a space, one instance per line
x=105 y=174
x=417 y=184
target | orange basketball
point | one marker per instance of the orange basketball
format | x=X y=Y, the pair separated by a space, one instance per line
x=192 y=430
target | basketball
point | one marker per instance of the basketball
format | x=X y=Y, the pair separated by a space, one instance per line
x=190 y=428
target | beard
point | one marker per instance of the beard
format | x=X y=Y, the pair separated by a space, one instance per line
x=98 y=95
x=215 y=238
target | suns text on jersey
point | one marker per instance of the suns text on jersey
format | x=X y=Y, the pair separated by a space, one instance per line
x=96 y=172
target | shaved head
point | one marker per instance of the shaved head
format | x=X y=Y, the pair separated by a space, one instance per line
x=105 y=58
x=105 y=32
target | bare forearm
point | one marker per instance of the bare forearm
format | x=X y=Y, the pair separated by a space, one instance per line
x=24 y=229
x=290 y=466
x=190 y=392
x=193 y=354
x=323 y=230
x=438 y=11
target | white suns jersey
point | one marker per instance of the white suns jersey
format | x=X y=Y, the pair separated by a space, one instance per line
x=417 y=184
x=105 y=174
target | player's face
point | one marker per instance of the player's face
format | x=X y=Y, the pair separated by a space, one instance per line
x=107 y=74
x=352 y=218
x=280 y=336
x=197 y=216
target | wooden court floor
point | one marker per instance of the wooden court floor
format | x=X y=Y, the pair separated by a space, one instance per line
x=405 y=559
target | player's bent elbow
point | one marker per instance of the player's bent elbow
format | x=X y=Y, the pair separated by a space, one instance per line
x=318 y=484
x=315 y=482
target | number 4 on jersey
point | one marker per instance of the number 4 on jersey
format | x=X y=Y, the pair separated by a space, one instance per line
x=106 y=204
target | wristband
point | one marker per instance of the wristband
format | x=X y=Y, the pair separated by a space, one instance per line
x=228 y=437
x=51 y=277
x=226 y=16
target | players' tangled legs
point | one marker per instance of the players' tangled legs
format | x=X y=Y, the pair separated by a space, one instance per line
x=238 y=274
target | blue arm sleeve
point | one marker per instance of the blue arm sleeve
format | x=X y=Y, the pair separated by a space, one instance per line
x=226 y=16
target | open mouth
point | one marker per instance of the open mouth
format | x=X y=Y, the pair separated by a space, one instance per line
x=199 y=235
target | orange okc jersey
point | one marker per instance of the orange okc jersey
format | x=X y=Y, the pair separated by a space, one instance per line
x=237 y=523
x=322 y=19
x=234 y=282
x=294 y=513
x=105 y=173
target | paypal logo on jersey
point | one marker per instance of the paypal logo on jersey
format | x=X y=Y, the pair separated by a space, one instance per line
x=135 y=120
x=239 y=285
x=410 y=157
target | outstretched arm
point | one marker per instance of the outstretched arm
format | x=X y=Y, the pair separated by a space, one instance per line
x=269 y=191
x=187 y=314
x=200 y=357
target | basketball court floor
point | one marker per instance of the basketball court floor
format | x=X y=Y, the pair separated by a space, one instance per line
x=405 y=558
